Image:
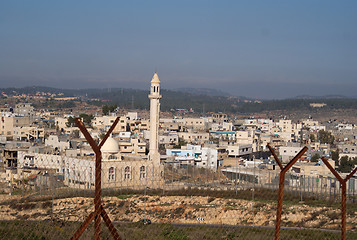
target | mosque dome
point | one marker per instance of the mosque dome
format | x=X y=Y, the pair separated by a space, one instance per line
x=110 y=146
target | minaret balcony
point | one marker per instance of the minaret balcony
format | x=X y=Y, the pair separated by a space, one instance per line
x=155 y=96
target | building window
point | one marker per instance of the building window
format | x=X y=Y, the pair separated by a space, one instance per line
x=111 y=157
x=127 y=173
x=142 y=172
x=111 y=175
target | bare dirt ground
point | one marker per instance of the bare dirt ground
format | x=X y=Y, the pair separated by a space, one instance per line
x=176 y=209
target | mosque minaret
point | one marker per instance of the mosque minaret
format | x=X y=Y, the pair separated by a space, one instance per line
x=154 y=97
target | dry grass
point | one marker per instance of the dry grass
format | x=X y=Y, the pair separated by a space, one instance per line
x=63 y=230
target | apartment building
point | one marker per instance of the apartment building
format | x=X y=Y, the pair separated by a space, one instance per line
x=239 y=150
x=194 y=137
x=29 y=133
x=8 y=123
x=195 y=155
x=288 y=153
x=195 y=124
x=170 y=138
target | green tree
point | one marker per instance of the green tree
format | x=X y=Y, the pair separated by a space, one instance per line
x=87 y=119
x=76 y=133
x=312 y=137
x=326 y=137
x=335 y=155
x=346 y=164
x=315 y=157
x=70 y=122
x=101 y=136
x=354 y=160
x=61 y=104
x=106 y=109
x=181 y=142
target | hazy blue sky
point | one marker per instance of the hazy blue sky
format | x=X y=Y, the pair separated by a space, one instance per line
x=262 y=49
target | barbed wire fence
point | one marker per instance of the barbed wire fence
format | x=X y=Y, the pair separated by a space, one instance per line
x=50 y=196
x=99 y=211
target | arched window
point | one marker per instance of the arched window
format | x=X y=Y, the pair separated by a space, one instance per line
x=127 y=173
x=142 y=172
x=111 y=157
x=111 y=175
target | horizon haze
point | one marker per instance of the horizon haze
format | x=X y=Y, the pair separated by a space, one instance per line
x=262 y=50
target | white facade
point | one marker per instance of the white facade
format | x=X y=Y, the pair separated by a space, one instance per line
x=239 y=150
x=60 y=122
x=195 y=155
x=55 y=142
x=194 y=137
x=287 y=153
x=223 y=126
x=170 y=138
x=245 y=137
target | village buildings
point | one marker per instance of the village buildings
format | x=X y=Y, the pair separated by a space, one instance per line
x=136 y=153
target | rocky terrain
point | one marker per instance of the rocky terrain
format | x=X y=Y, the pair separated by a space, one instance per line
x=176 y=209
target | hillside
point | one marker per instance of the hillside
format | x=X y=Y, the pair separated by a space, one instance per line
x=202 y=101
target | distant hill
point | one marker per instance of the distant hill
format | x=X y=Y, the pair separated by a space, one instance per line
x=30 y=90
x=204 y=100
x=203 y=91
x=320 y=97
x=170 y=100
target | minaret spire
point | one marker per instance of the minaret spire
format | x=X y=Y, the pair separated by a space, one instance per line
x=154 y=97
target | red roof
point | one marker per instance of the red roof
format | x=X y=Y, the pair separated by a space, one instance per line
x=32 y=177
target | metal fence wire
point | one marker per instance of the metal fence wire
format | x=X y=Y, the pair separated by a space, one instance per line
x=63 y=197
